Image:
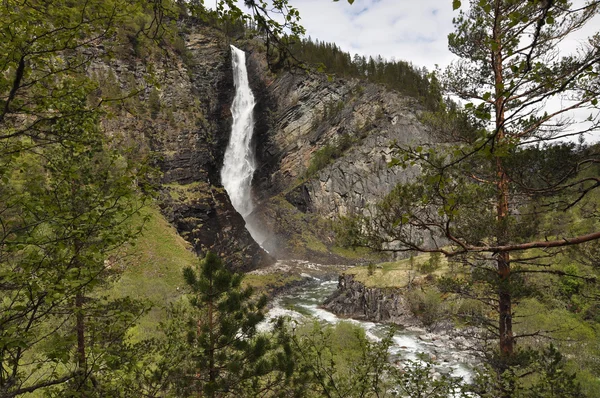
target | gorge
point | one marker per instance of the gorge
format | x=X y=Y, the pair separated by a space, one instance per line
x=412 y=340
x=174 y=177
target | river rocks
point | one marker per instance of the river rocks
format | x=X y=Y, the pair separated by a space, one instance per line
x=443 y=342
x=355 y=300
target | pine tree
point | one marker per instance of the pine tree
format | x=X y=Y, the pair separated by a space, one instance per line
x=226 y=355
x=484 y=191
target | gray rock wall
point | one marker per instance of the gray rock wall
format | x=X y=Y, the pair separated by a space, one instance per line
x=355 y=300
x=308 y=112
x=299 y=115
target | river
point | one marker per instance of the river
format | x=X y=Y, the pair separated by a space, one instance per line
x=304 y=302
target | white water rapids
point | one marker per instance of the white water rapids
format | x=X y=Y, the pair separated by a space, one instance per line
x=306 y=302
x=236 y=175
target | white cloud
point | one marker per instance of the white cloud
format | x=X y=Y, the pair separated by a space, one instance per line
x=414 y=31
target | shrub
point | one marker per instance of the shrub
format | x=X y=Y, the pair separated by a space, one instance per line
x=154 y=103
x=432 y=264
x=328 y=153
x=470 y=308
x=426 y=305
x=371 y=269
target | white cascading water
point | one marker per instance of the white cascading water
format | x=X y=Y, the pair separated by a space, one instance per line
x=239 y=163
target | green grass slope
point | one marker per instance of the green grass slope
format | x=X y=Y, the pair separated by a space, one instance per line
x=153 y=268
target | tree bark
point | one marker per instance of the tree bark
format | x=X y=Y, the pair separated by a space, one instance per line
x=81 y=357
x=502 y=192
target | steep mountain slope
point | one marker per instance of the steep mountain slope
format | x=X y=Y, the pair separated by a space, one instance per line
x=184 y=119
x=322 y=145
x=324 y=148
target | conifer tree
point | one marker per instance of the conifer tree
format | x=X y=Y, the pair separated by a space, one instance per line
x=498 y=171
x=227 y=355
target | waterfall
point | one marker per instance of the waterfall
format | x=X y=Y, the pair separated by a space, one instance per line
x=239 y=163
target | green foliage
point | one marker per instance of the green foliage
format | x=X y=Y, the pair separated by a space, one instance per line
x=451 y=123
x=327 y=154
x=61 y=221
x=493 y=188
x=426 y=305
x=276 y=23
x=539 y=374
x=68 y=196
x=338 y=361
x=371 y=269
x=154 y=103
x=214 y=341
x=401 y=76
x=432 y=264
x=152 y=267
x=228 y=351
x=571 y=284
x=415 y=380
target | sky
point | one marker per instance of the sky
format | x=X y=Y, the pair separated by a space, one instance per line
x=409 y=30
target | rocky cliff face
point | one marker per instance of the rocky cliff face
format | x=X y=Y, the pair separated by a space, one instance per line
x=355 y=300
x=324 y=148
x=322 y=145
x=185 y=121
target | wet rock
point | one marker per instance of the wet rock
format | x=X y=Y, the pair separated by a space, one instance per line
x=187 y=128
x=299 y=116
x=353 y=299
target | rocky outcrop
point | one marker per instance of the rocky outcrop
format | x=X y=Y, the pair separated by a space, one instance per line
x=309 y=112
x=355 y=300
x=185 y=120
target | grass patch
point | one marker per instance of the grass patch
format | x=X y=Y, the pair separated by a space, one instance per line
x=397 y=274
x=313 y=243
x=188 y=192
x=153 y=269
x=357 y=253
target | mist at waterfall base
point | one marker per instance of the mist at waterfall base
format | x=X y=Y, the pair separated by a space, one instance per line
x=239 y=163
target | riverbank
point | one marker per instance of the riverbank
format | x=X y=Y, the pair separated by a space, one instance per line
x=285 y=276
x=304 y=303
x=392 y=305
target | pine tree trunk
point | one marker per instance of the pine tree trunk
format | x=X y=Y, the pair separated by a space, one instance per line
x=502 y=191
x=503 y=265
x=505 y=306
x=211 y=353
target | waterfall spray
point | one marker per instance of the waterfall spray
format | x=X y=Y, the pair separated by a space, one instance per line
x=239 y=163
